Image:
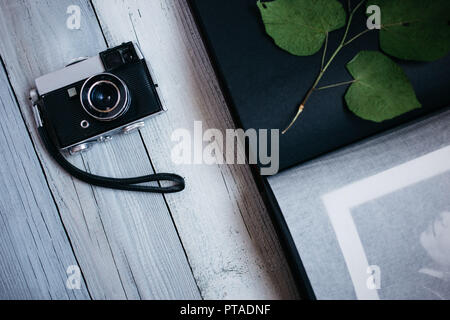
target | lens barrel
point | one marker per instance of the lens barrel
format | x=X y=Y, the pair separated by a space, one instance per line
x=105 y=97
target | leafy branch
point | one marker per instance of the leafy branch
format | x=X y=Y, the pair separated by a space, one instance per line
x=325 y=68
x=411 y=30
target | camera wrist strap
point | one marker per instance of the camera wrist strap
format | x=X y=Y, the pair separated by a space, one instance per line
x=130 y=184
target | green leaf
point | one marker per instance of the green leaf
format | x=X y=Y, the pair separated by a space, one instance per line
x=300 y=26
x=381 y=90
x=415 y=29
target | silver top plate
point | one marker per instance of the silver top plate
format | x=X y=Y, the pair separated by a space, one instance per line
x=69 y=75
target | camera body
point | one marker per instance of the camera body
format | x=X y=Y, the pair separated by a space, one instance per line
x=94 y=99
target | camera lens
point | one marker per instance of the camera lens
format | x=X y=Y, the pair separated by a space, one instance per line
x=105 y=97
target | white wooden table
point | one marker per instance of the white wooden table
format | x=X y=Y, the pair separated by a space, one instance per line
x=213 y=241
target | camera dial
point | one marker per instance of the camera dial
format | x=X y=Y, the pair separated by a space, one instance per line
x=105 y=97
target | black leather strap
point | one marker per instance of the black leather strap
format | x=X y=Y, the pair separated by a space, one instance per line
x=130 y=184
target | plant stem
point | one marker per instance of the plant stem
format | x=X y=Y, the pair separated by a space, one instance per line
x=324 y=52
x=357 y=36
x=301 y=108
x=336 y=85
x=308 y=95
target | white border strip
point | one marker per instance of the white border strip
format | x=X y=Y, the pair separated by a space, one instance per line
x=339 y=203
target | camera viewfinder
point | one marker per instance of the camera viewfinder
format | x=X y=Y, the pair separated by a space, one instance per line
x=112 y=60
x=117 y=57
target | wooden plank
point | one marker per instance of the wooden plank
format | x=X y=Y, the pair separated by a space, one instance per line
x=34 y=249
x=126 y=243
x=221 y=218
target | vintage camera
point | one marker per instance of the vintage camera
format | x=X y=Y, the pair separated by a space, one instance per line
x=96 y=98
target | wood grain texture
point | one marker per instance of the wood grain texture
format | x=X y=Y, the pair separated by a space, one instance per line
x=221 y=218
x=126 y=243
x=34 y=249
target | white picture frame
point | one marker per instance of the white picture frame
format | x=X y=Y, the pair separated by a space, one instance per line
x=339 y=204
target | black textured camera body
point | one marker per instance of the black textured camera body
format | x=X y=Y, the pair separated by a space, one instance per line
x=68 y=122
x=90 y=101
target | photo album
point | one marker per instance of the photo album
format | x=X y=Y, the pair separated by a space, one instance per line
x=362 y=201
